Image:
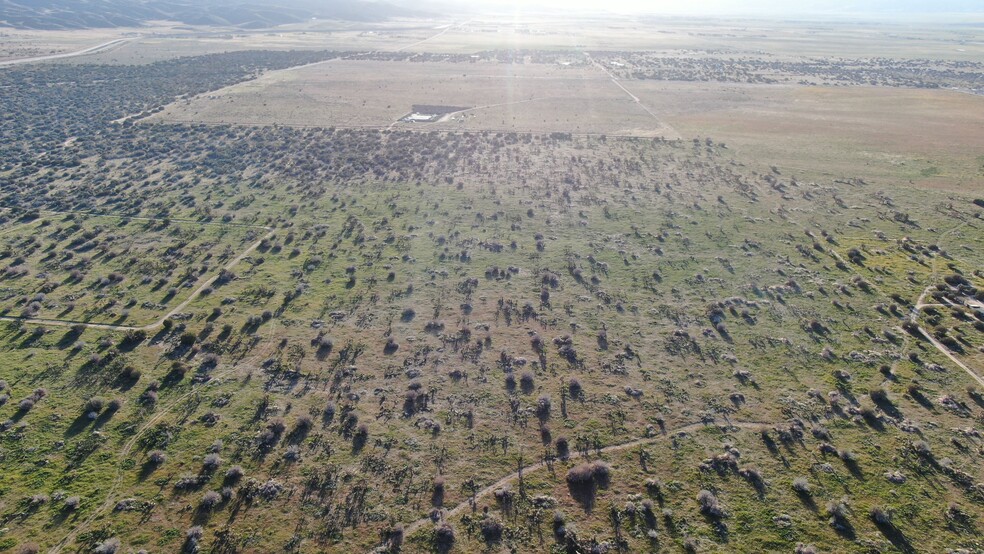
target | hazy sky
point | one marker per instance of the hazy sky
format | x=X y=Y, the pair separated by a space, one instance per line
x=757 y=7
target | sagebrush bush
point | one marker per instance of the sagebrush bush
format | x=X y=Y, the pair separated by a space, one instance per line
x=210 y=500
x=589 y=474
x=444 y=537
x=801 y=485
x=710 y=505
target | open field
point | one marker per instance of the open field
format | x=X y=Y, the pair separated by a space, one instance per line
x=677 y=33
x=196 y=42
x=465 y=36
x=927 y=137
x=931 y=138
x=501 y=97
x=16 y=44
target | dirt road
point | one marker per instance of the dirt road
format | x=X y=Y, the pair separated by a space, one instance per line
x=416 y=525
x=159 y=322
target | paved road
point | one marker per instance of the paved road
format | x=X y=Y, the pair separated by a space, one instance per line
x=92 y=50
x=443 y=31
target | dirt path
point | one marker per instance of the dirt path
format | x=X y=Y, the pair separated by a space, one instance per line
x=130 y=444
x=151 y=326
x=919 y=301
x=914 y=315
x=443 y=31
x=416 y=525
x=663 y=124
x=235 y=261
x=919 y=305
x=92 y=50
x=461 y=507
x=939 y=346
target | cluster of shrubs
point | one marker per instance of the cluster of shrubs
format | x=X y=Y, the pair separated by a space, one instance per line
x=589 y=475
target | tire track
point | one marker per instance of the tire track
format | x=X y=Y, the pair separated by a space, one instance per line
x=663 y=124
x=129 y=445
x=416 y=525
x=177 y=309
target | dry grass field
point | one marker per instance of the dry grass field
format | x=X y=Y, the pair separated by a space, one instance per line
x=927 y=137
x=165 y=40
x=500 y=97
x=16 y=44
x=179 y=42
x=674 y=33
x=931 y=138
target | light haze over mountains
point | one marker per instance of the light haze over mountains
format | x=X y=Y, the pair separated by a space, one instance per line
x=73 y=14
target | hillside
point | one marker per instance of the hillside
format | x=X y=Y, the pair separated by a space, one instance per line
x=72 y=14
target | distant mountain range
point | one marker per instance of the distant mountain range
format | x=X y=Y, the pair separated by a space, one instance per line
x=81 y=14
x=726 y=8
x=892 y=6
x=258 y=14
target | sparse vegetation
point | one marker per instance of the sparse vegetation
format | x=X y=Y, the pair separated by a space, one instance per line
x=486 y=333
